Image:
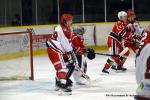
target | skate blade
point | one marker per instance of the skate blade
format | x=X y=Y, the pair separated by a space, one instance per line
x=120 y=71
x=62 y=93
x=105 y=74
x=78 y=83
x=56 y=89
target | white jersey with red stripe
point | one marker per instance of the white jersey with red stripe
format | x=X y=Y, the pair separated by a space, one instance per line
x=59 y=41
x=143 y=67
x=141 y=62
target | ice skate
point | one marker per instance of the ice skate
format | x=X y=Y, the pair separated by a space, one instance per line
x=121 y=68
x=69 y=83
x=105 y=71
x=57 y=81
x=113 y=67
x=64 y=90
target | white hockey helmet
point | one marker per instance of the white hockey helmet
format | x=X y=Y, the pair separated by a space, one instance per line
x=122 y=15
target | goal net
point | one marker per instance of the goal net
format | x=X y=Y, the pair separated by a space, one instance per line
x=16 y=60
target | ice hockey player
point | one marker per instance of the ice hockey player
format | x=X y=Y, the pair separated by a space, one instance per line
x=79 y=48
x=115 y=44
x=133 y=20
x=133 y=41
x=60 y=53
x=143 y=67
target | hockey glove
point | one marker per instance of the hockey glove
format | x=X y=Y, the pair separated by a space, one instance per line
x=90 y=53
x=136 y=43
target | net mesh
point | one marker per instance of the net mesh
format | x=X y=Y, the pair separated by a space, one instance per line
x=15 y=56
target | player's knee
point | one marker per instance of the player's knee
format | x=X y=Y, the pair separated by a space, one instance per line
x=62 y=73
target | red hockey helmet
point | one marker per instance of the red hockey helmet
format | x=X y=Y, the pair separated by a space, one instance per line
x=66 y=17
x=130 y=13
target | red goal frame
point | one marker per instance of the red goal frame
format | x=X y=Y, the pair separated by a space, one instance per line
x=31 y=49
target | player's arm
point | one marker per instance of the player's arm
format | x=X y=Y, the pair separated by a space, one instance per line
x=63 y=40
x=77 y=45
x=75 y=40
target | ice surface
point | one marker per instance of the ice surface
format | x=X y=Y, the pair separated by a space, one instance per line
x=116 y=86
x=17 y=68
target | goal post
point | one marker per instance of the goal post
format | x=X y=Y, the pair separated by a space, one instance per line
x=16 y=56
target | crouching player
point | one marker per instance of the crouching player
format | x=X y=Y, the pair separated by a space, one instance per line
x=78 y=45
x=60 y=53
x=143 y=68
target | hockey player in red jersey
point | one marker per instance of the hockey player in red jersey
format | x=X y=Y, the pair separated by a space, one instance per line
x=134 y=40
x=59 y=52
x=115 y=43
x=78 y=45
x=143 y=67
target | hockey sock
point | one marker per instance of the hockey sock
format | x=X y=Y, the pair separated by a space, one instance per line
x=69 y=73
x=108 y=64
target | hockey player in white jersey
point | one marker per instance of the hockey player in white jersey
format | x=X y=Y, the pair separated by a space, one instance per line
x=134 y=40
x=143 y=68
x=59 y=52
x=133 y=20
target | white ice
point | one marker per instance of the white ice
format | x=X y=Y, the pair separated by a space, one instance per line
x=116 y=86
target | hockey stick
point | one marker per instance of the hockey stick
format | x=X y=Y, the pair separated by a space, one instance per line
x=77 y=66
x=84 y=75
x=131 y=41
x=121 y=53
x=107 y=54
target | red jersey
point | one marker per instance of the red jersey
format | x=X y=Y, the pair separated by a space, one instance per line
x=121 y=30
x=78 y=44
x=119 y=26
x=145 y=40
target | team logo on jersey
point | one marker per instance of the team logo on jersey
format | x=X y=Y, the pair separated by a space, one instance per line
x=141 y=85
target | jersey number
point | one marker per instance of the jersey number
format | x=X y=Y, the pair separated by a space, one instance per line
x=55 y=35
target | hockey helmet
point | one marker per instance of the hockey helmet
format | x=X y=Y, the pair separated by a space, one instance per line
x=130 y=13
x=122 y=15
x=66 y=17
x=90 y=53
x=79 y=30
